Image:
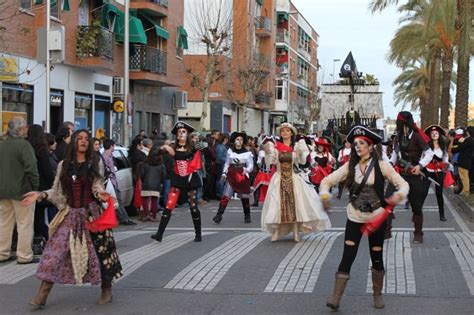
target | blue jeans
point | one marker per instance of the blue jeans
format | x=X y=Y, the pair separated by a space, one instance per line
x=166 y=190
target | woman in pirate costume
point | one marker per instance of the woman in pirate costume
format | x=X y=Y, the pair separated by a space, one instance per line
x=265 y=173
x=439 y=164
x=322 y=161
x=184 y=180
x=73 y=254
x=365 y=174
x=291 y=204
x=237 y=169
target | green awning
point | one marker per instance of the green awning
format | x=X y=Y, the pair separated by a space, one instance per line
x=285 y=47
x=160 y=31
x=260 y=2
x=136 y=30
x=283 y=16
x=182 y=38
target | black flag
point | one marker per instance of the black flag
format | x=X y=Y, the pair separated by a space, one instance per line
x=349 y=68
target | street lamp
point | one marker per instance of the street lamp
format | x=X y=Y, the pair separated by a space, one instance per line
x=334 y=69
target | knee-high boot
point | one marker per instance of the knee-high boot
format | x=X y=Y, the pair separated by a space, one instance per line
x=106 y=294
x=246 y=206
x=339 y=287
x=222 y=205
x=256 y=196
x=377 y=285
x=40 y=300
x=418 y=224
x=165 y=219
x=196 y=215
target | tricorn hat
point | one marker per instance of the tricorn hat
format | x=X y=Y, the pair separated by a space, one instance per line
x=363 y=132
x=236 y=134
x=440 y=130
x=181 y=125
x=286 y=125
x=322 y=141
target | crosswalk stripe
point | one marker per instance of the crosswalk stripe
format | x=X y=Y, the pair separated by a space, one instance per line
x=399 y=272
x=299 y=270
x=462 y=246
x=13 y=273
x=326 y=231
x=206 y=272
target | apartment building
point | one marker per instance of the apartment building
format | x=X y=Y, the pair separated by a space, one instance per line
x=87 y=63
x=296 y=66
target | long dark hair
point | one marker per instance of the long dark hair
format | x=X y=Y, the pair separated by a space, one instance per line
x=441 y=142
x=154 y=157
x=92 y=160
x=37 y=138
x=354 y=160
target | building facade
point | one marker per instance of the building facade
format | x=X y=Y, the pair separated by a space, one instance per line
x=87 y=64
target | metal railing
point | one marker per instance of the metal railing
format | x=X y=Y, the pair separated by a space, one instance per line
x=263 y=23
x=282 y=35
x=102 y=38
x=344 y=125
x=145 y=58
x=163 y=3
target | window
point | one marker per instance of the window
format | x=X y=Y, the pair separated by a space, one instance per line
x=83 y=111
x=55 y=9
x=280 y=95
x=303 y=40
x=17 y=101
x=25 y=4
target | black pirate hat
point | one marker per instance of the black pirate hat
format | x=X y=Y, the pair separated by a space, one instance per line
x=236 y=134
x=440 y=130
x=364 y=132
x=181 y=125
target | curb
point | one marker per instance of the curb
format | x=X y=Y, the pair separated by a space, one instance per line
x=459 y=204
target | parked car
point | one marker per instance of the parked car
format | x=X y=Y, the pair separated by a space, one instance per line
x=124 y=175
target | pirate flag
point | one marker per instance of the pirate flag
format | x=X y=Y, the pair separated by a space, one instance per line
x=349 y=68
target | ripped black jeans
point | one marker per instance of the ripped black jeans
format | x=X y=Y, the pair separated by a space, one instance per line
x=352 y=239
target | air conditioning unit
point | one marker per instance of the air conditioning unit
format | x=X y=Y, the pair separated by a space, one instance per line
x=180 y=100
x=118 y=86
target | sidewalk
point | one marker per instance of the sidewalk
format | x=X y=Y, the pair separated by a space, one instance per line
x=464 y=205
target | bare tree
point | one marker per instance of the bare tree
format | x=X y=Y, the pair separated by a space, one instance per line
x=211 y=26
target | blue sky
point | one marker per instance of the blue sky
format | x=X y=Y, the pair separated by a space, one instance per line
x=348 y=25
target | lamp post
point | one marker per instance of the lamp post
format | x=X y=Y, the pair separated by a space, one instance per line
x=334 y=69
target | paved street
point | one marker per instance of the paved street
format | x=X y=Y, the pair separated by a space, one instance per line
x=237 y=270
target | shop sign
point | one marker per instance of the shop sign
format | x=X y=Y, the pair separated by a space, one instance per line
x=56 y=100
x=118 y=106
x=8 y=69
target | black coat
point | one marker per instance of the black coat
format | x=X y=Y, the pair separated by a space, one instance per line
x=153 y=176
x=465 y=152
x=45 y=170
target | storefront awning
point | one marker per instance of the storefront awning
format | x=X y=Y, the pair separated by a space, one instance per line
x=283 y=16
x=182 y=38
x=285 y=47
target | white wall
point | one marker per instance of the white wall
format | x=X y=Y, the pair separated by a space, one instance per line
x=194 y=110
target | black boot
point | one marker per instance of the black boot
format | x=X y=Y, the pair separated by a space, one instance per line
x=196 y=215
x=256 y=196
x=246 y=206
x=165 y=219
x=38 y=245
x=222 y=205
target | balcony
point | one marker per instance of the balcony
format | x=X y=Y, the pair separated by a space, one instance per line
x=148 y=64
x=263 y=98
x=151 y=7
x=95 y=47
x=283 y=36
x=263 y=26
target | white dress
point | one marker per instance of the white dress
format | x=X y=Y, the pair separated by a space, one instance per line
x=308 y=215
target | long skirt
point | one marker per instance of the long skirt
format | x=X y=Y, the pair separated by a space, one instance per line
x=99 y=260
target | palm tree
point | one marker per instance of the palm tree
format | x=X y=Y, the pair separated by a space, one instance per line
x=465 y=49
x=412 y=88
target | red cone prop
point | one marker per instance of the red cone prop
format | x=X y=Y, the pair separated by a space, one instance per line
x=108 y=219
x=374 y=224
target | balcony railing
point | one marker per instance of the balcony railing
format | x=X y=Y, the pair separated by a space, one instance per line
x=263 y=98
x=263 y=23
x=163 y=3
x=283 y=36
x=146 y=58
x=94 y=41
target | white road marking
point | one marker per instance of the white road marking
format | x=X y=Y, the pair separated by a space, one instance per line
x=206 y=272
x=299 y=270
x=399 y=273
x=462 y=245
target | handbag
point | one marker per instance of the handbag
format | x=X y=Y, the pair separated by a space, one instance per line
x=107 y=220
x=449 y=179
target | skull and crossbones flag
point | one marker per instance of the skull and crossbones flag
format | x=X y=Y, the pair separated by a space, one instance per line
x=349 y=68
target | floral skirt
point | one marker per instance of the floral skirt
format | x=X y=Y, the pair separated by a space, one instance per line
x=94 y=254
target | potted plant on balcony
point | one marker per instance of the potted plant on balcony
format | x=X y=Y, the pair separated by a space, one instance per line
x=86 y=40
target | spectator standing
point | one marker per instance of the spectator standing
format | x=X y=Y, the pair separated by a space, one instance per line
x=37 y=139
x=19 y=176
x=63 y=137
x=221 y=155
x=153 y=175
x=147 y=145
x=463 y=144
x=168 y=161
